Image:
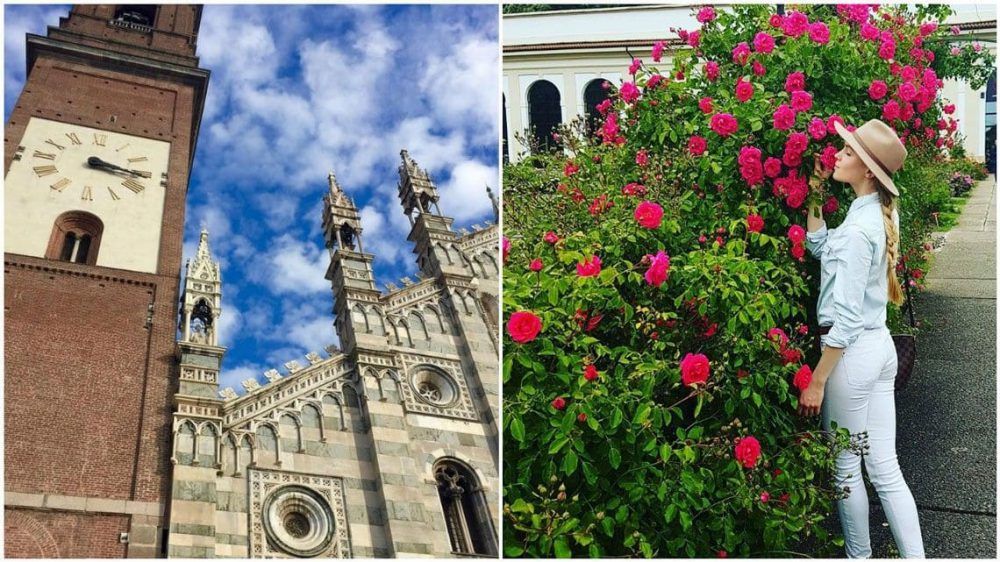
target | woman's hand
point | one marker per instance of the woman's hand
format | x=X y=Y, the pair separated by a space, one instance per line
x=811 y=399
x=820 y=173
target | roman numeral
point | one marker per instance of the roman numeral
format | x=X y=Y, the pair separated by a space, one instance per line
x=142 y=173
x=114 y=196
x=135 y=186
x=53 y=143
x=73 y=138
x=137 y=159
x=42 y=171
x=87 y=195
x=100 y=139
x=61 y=184
x=122 y=147
x=45 y=155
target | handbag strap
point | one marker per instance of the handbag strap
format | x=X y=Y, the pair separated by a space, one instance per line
x=908 y=305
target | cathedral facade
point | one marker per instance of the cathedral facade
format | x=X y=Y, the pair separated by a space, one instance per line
x=119 y=441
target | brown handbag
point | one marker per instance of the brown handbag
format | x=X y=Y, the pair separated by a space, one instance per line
x=906 y=344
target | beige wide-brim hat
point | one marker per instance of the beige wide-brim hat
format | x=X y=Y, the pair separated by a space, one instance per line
x=878 y=147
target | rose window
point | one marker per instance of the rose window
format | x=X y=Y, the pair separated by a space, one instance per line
x=434 y=387
x=298 y=521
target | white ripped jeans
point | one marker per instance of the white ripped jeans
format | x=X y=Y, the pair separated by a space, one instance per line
x=859 y=396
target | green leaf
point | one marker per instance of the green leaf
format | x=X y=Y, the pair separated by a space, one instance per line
x=562 y=549
x=513 y=550
x=642 y=414
x=558 y=444
x=670 y=513
x=615 y=458
x=570 y=462
x=685 y=520
x=701 y=401
x=616 y=418
x=665 y=452
x=517 y=429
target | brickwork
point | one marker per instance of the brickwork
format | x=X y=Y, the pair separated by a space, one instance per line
x=90 y=369
x=42 y=534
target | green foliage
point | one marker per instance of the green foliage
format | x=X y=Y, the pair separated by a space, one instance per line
x=638 y=463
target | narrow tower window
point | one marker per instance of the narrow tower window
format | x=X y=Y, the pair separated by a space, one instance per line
x=76 y=237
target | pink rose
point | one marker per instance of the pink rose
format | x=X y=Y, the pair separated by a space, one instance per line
x=747 y=451
x=697 y=145
x=803 y=378
x=778 y=335
x=633 y=189
x=792 y=159
x=658 y=50
x=819 y=33
x=590 y=372
x=765 y=497
x=877 y=90
x=817 y=128
x=570 y=168
x=659 y=269
x=794 y=82
x=711 y=70
x=798 y=251
x=784 y=117
x=634 y=67
x=535 y=265
x=795 y=24
x=763 y=43
x=928 y=28
x=741 y=52
x=604 y=106
x=642 y=158
x=705 y=105
x=744 y=90
x=887 y=50
x=550 y=237
x=797 y=143
x=758 y=68
x=890 y=110
x=559 y=403
x=506 y=248
x=868 y=32
x=724 y=124
x=802 y=101
x=955 y=51
x=694 y=369
x=755 y=223
x=653 y=81
x=907 y=91
x=589 y=268
x=776 y=20
x=830 y=127
x=523 y=326
x=908 y=73
x=649 y=214
x=706 y=14
x=629 y=92
x=694 y=39
x=796 y=234
x=949 y=109
x=831 y=205
x=772 y=167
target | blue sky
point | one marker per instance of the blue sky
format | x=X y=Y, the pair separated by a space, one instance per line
x=295 y=92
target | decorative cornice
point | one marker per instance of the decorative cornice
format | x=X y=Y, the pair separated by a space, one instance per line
x=67 y=268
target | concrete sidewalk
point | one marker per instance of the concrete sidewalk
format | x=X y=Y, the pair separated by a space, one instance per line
x=946 y=418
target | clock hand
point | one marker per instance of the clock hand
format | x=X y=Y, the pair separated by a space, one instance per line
x=95 y=162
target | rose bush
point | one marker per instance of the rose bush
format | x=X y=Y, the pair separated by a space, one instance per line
x=650 y=410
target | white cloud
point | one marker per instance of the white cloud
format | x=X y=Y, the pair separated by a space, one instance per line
x=463 y=87
x=293 y=267
x=234 y=377
x=386 y=237
x=230 y=321
x=463 y=196
x=17 y=22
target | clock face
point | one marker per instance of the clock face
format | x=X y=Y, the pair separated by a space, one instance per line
x=119 y=178
x=90 y=163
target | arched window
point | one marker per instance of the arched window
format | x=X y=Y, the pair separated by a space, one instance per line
x=267 y=445
x=76 y=237
x=466 y=514
x=593 y=95
x=417 y=328
x=544 y=112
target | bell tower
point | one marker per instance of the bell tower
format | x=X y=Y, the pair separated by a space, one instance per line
x=98 y=153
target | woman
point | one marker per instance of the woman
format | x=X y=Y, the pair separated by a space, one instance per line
x=853 y=381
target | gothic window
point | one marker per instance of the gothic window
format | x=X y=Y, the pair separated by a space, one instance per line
x=229 y=463
x=299 y=521
x=76 y=237
x=466 y=514
x=434 y=387
x=184 y=447
x=311 y=420
x=333 y=410
x=359 y=318
x=593 y=95
x=207 y=444
x=403 y=334
x=544 y=113
x=245 y=452
x=490 y=305
x=417 y=327
x=434 y=320
x=267 y=445
x=347 y=236
x=291 y=433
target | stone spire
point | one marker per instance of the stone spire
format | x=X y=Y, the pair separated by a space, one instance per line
x=201 y=303
x=496 y=204
x=416 y=190
x=341 y=221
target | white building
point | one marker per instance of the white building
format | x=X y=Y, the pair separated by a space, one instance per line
x=552 y=58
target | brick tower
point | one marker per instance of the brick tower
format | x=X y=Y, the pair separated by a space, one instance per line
x=98 y=153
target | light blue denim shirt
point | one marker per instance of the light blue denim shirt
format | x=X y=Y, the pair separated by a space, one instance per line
x=854 y=289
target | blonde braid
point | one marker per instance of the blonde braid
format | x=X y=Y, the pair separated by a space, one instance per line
x=891 y=244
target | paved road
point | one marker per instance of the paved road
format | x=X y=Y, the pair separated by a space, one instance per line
x=947 y=416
